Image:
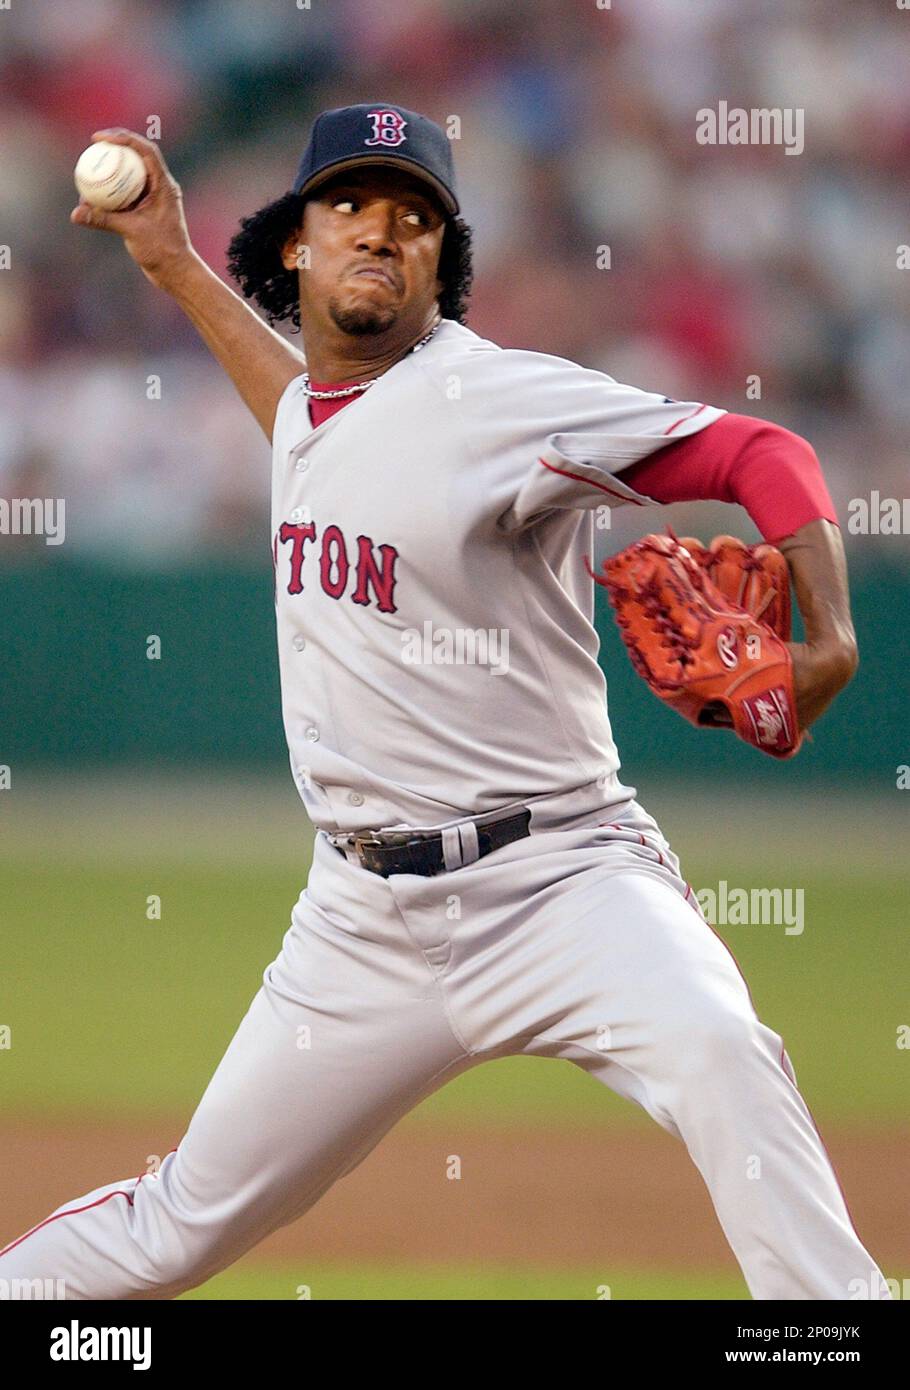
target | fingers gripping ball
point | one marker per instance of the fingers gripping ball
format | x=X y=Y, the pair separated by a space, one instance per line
x=110 y=176
x=705 y=645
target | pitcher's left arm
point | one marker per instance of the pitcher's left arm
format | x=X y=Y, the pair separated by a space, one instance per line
x=776 y=476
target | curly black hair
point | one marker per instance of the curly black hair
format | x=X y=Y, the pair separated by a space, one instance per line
x=254 y=260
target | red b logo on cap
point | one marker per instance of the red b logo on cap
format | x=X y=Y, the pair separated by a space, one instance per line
x=388 y=128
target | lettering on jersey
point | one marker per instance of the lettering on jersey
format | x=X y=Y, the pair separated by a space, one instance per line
x=375 y=564
x=298 y=535
x=388 y=128
x=382 y=580
x=333 y=556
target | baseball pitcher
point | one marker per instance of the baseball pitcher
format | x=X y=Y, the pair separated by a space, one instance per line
x=483 y=883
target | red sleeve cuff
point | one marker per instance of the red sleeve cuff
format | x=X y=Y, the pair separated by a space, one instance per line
x=763 y=467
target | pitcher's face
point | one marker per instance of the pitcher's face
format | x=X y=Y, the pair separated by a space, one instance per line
x=374 y=236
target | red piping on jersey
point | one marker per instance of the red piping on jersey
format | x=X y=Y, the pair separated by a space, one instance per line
x=580 y=478
x=691 y=416
x=613 y=825
x=74 y=1211
x=647 y=846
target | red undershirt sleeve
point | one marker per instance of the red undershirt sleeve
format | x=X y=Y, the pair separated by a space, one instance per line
x=767 y=469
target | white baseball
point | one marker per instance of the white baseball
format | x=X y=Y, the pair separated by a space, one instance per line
x=110 y=176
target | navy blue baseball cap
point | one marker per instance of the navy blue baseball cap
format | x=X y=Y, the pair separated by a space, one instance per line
x=376 y=132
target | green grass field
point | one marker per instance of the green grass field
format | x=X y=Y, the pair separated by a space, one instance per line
x=435 y=1283
x=113 y=1013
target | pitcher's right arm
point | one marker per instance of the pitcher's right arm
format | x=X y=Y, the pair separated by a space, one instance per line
x=258 y=360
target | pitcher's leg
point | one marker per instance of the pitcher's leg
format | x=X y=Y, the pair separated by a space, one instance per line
x=664 y=1017
x=345 y=1036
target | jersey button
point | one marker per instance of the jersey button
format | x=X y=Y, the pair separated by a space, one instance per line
x=355 y=798
x=300 y=514
x=301 y=465
x=299 y=643
x=311 y=733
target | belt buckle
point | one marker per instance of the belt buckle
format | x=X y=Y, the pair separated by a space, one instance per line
x=364 y=844
x=391 y=840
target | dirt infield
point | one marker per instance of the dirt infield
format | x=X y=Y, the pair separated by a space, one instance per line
x=524 y=1195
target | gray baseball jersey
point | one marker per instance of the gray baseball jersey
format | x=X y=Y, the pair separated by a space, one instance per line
x=434 y=614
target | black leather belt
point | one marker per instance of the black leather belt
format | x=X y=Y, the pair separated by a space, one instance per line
x=436 y=852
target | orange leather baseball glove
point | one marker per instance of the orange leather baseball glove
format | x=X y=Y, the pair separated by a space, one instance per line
x=707 y=628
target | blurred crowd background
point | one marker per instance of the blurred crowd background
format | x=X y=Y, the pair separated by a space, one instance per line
x=127 y=771
x=577 y=131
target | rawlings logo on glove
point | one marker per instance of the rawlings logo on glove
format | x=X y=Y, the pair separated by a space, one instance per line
x=707 y=628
